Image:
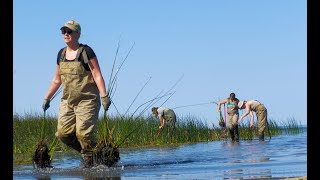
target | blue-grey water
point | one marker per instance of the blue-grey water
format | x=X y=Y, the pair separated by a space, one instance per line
x=282 y=156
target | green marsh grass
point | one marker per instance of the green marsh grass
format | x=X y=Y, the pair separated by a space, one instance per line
x=133 y=132
x=291 y=126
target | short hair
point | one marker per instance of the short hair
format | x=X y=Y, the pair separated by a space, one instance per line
x=232 y=95
x=154 y=109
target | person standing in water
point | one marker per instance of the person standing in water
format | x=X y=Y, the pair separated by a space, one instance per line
x=79 y=74
x=233 y=115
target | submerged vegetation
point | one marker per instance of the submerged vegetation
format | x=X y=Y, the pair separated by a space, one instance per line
x=134 y=132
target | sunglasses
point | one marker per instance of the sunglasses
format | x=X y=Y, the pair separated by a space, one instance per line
x=68 y=31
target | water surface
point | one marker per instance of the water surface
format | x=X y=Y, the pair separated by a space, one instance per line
x=282 y=156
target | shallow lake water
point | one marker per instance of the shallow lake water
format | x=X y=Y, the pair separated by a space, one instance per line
x=282 y=156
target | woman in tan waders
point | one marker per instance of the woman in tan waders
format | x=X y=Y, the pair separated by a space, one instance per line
x=261 y=113
x=79 y=73
x=233 y=115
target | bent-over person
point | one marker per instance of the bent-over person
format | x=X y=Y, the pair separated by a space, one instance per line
x=166 y=116
x=261 y=113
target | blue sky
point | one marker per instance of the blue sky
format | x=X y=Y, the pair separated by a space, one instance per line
x=256 y=49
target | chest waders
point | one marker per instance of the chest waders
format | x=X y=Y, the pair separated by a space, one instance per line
x=233 y=115
x=170 y=118
x=79 y=106
x=261 y=113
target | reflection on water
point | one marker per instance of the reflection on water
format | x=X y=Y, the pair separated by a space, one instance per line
x=283 y=156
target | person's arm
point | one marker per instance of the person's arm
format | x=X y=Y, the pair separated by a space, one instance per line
x=221 y=102
x=97 y=76
x=251 y=119
x=161 y=122
x=54 y=85
x=248 y=111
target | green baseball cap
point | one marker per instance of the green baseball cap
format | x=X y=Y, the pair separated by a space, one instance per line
x=73 y=25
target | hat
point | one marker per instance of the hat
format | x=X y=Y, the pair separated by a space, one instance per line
x=73 y=25
x=240 y=104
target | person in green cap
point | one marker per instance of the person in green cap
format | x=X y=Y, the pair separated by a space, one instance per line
x=233 y=115
x=79 y=74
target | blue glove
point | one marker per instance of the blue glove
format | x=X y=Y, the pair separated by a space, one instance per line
x=46 y=104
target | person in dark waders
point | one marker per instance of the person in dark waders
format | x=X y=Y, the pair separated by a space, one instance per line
x=83 y=84
x=233 y=115
x=261 y=113
x=166 y=116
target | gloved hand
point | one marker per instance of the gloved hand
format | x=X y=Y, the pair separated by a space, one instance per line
x=46 y=104
x=106 y=102
x=221 y=123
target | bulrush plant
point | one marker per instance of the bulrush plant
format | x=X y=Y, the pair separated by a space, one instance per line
x=106 y=152
x=41 y=157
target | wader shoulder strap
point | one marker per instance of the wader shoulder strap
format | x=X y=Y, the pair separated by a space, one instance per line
x=62 y=55
x=78 y=53
x=84 y=54
x=85 y=57
x=81 y=49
